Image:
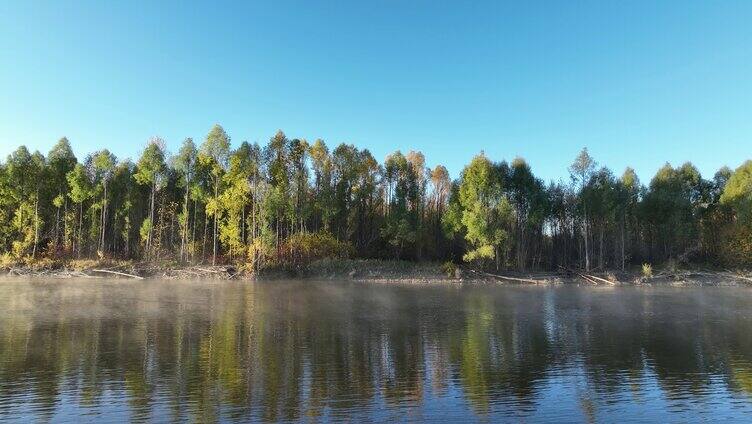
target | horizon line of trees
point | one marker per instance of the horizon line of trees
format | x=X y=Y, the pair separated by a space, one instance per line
x=290 y=201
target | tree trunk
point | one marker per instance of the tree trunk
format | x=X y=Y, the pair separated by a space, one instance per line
x=497 y=257
x=193 y=232
x=57 y=227
x=206 y=230
x=184 y=231
x=150 y=235
x=36 y=226
x=104 y=217
x=623 y=260
x=80 y=226
x=216 y=195
x=242 y=225
x=587 y=247
x=600 y=248
x=65 y=222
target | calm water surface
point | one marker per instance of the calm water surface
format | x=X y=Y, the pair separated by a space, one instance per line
x=98 y=350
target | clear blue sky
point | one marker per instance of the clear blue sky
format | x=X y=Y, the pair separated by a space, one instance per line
x=638 y=83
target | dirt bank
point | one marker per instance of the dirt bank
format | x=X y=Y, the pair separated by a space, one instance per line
x=374 y=271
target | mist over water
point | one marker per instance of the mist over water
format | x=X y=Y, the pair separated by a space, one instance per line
x=117 y=350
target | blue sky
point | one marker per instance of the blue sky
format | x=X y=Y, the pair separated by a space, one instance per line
x=638 y=83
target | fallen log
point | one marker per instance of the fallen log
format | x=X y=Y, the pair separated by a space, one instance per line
x=523 y=280
x=118 y=273
x=593 y=277
x=502 y=277
x=214 y=271
x=593 y=282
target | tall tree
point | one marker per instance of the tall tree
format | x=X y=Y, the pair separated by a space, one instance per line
x=61 y=161
x=299 y=179
x=214 y=153
x=669 y=210
x=486 y=212
x=629 y=196
x=237 y=194
x=185 y=165
x=277 y=201
x=102 y=165
x=580 y=171
x=25 y=176
x=81 y=190
x=150 y=171
x=323 y=194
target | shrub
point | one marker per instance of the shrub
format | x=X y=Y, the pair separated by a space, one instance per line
x=260 y=252
x=647 y=270
x=297 y=251
x=449 y=268
x=736 y=251
x=7 y=260
x=302 y=248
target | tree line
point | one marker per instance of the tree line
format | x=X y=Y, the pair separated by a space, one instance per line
x=291 y=201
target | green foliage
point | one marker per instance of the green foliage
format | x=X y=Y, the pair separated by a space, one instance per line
x=151 y=165
x=669 y=210
x=486 y=211
x=80 y=185
x=23 y=223
x=405 y=185
x=103 y=163
x=738 y=192
x=291 y=200
x=217 y=146
x=145 y=230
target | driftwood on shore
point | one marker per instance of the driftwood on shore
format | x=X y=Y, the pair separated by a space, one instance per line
x=734 y=275
x=107 y=271
x=590 y=278
x=59 y=273
x=201 y=271
x=130 y=271
x=596 y=278
x=504 y=277
x=704 y=277
x=379 y=270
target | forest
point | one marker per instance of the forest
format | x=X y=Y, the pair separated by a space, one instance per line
x=291 y=202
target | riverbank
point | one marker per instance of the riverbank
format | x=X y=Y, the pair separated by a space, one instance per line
x=429 y=272
x=370 y=270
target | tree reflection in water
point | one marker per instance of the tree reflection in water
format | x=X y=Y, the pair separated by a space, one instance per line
x=305 y=350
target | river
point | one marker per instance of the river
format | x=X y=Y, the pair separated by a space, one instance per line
x=118 y=350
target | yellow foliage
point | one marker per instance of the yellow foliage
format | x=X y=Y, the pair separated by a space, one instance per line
x=647 y=270
x=7 y=260
x=303 y=248
x=737 y=250
x=297 y=251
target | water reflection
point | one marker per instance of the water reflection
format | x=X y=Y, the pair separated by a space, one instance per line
x=302 y=351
